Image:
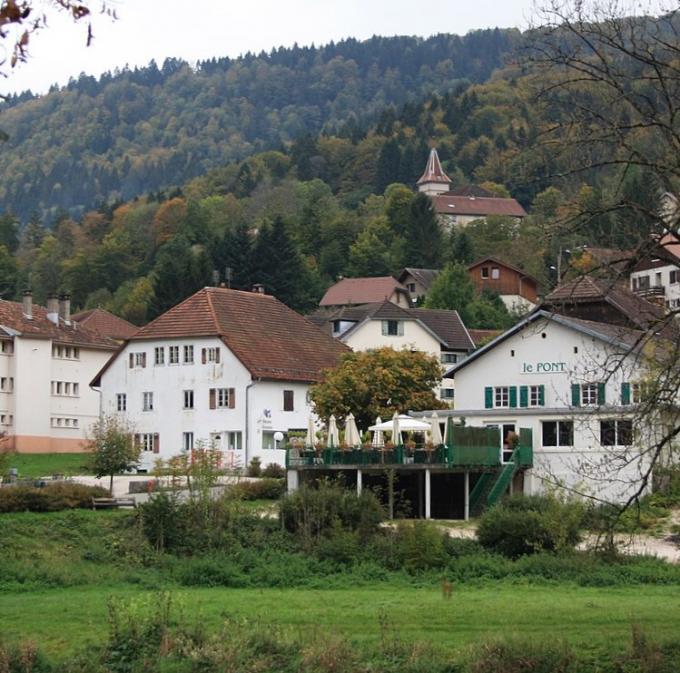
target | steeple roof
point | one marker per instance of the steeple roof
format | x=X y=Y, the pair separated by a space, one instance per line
x=433 y=171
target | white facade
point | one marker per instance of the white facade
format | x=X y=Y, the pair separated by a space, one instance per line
x=184 y=402
x=563 y=384
x=46 y=403
x=662 y=282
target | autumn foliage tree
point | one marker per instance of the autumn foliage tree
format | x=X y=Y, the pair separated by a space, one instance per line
x=378 y=383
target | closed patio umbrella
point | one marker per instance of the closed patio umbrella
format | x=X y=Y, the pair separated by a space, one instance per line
x=333 y=434
x=377 y=434
x=311 y=432
x=435 y=430
x=351 y=431
x=396 y=432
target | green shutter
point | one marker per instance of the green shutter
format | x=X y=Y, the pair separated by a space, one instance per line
x=488 y=398
x=513 y=397
x=625 y=393
x=523 y=396
x=575 y=395
x=541 y=396
x=600 y=394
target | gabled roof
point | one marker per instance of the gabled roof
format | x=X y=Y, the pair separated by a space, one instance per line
x=615 y=335
x=272 y=341
x=471 y=190
x=361 y=291
x=587 y=289
x=500 y=262
x=423 y=276
x=13 y=322
x=445 y=326
x=433 y=170
x=480 y=337
x=445 y=204
x=105 y=323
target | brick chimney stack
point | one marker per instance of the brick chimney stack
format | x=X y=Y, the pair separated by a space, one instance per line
x=27 y=304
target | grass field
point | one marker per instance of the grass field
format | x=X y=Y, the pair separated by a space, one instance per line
x=594 y=620
x=35 y=465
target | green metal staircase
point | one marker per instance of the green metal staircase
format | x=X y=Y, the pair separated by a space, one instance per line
x=480 y=492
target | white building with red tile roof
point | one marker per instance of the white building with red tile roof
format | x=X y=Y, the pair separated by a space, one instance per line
x=46 y=363
x=224 y=368
x=351 y=291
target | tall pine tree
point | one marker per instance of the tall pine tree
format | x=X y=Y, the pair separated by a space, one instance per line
x=424 y=235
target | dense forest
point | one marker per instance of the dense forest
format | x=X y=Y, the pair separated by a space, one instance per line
x=145 y=129
x=336 y=202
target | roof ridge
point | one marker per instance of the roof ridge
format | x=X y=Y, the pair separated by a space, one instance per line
x=208 y=295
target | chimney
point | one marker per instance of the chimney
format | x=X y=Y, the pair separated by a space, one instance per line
x=27 y=303
x=53 y=308
x=258 y=288
x=65 y=308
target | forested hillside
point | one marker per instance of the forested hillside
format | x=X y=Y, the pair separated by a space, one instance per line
x=145 y=129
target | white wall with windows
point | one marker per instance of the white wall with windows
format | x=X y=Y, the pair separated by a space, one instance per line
x=562 y=384
x=660 y=281
x=179 y=394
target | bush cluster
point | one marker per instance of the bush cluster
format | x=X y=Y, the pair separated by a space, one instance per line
x=263 y=489
x=50 y=498
x=529 y=524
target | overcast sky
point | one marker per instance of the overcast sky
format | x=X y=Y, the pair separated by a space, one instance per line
x=157 y=29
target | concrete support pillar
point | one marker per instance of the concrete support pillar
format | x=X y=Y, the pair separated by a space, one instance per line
x=467 y=495
x=359 y=482
x=293 y=480
x=428 y=496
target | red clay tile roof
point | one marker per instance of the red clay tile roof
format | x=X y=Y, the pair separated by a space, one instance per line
x=472 y=205
x=13 y=320
x=500 y=262
x=271 y=340
x=471 y=190
x=361 y=291
x=433 y=170
x=483 y=336
x=423 y=276
x=105 y=323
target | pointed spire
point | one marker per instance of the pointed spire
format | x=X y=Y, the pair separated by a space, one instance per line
x=433 y=171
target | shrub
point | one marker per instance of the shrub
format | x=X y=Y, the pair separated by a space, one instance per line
x=50 y=498
x=264 y=489
x=162 y=519
x=527 y=524
x=274 y=471
x=254 y=468
x=418 y=546
x=519 y=657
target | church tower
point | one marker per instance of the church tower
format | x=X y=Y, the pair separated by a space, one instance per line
x=433 y=181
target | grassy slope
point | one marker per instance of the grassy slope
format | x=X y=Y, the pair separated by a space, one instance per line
x=595 y=620
x=47 y=464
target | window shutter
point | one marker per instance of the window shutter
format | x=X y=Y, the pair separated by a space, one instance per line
x=217 y=355
x=232 y=398
x=513 y=397
x=523 y=396
x=575 y=395
x=600 y=394
x=488 y=397
x=132 y=360
x=156 y=443
x=203 y=355
x=625 y=393
x=541 y=396
x=212 y=398
x=144 y=359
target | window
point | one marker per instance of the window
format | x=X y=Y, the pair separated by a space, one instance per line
x=7 y=347
x=222 y=398
x=485 y=272
x=636 y=393
x=446 y=393
x=616 y=433
x=148 y=442
x=66 y=352
x=643 y=283
x=288 y=400
x=210 y=355
x=495 y=273
x=188 y=355
x=121 y=402
x=449 y=358
x=536 y=396
x=173 y=355
x=137 y=360
x=589 y=394
x=6 y=419
x=67 y=388
x=188 y=399
x=501 y=396
x=187 y=441
x=57 y=388
x=675 y=277
x=558 y=433
x=7 y=384
x=268 y=441
x=234 y=441
x=392 y=328
x=147 y=401
x=411 y=288
x=337 y=326
x=159 y=355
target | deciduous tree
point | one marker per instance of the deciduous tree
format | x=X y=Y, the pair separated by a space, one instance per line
x=112 y=447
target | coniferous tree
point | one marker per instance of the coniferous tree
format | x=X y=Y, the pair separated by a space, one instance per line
x=462 y=250
x=234 y=259
x=387 y=170
x=424 y=236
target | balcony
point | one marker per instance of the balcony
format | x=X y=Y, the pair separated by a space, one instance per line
x=654 y=292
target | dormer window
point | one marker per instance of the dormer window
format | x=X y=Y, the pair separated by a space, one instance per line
x=392 y=328
x=336 y=327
